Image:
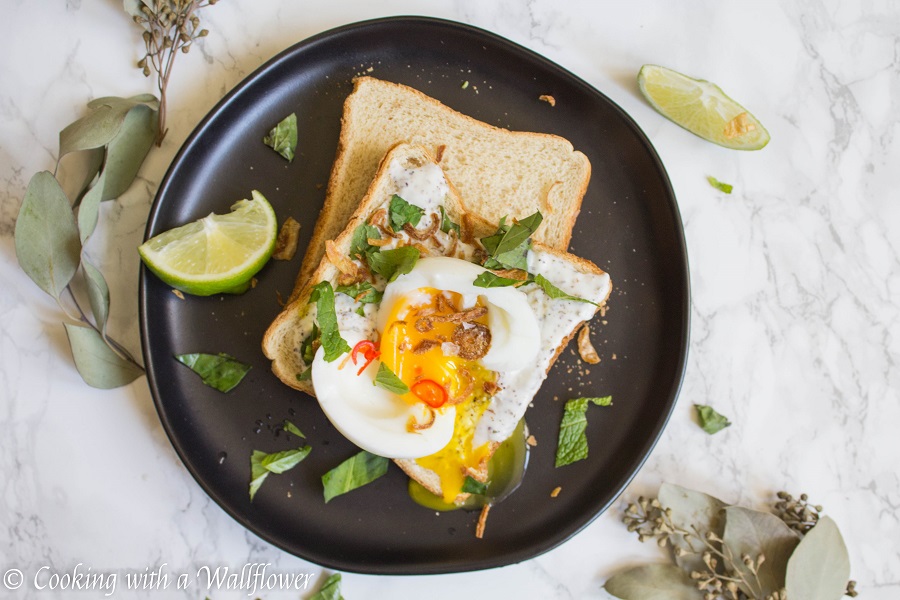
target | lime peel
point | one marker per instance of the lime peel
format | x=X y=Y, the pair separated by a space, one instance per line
x=702 y=108
x=215 y=254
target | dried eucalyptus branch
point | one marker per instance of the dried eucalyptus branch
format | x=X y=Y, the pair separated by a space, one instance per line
x=170 y=27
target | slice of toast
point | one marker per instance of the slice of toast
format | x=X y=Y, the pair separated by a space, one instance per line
x=284 y=340
x=498 y=172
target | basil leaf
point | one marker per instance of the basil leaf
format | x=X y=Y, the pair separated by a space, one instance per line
x=473 y=486
x=711 y=421
x=492 y=280
x=306 y=348
x=261 y=464
x=719 y=185
x=279 y=462
x=283 y=137
x=392 y=263
x=402 y=212
x=219 y=371
x=447 y=224
x=363 y=292
x=572 y=445
x=359 y=241
x=258 y=473
x=556 y=293
x=356 y=471
x=332 y=341
x=386 y=379
x=508 y=247
x=291 y=428
x=330 y=590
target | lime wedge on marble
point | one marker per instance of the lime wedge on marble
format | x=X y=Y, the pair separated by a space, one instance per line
x=702 y=108
x=218 y=253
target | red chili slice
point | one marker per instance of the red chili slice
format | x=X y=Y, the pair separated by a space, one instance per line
x=368 y=350
x=430 y=392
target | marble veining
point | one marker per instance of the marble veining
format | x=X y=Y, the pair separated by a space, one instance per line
x=795 y=280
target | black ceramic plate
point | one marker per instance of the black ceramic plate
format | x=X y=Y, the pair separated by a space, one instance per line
x=629 y=225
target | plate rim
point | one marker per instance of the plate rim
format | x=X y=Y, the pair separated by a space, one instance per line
x=683 y=343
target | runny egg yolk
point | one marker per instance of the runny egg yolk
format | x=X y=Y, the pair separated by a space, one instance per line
x=412 y=347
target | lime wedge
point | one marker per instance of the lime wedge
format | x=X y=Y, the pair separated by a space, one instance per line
x=702 y=108
x=218 y=253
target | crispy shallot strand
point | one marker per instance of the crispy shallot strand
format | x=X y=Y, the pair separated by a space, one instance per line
x=470 y=385
x=482 y=521
x=423 y=235
x=343 y=263
x=585 y=348
x=424 y=346
x=378 y=241
x=344 y=362
x=413 y=425
x=455 y=242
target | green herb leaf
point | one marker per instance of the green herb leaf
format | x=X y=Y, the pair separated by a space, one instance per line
x=359 y=241
x=46 y=236
x=722 y=187
x=279 y=462
x=572 y=445
x=258 y=473
x=262 y=464
x=219 y=371
x=402 y=212
x=473 y=486
x=653 y=582
x=356 y=471
x=291 y=428
x=97 y=364
x=330 y=590
x=98 y=294
x=492 y=280
x=390 y=264
x=332 y=341
x=508 y=247
x=307 y=351
x=820 y=566
x=556 y=293
x=306 y=375
x=363 y=292
x=711 y=421
x=283 y=137
x=446 y=224
x=386 y=379
x=753 y=532
x=361 y=311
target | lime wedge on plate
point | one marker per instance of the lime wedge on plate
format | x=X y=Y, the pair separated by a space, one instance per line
x=218 y=253
x=702 y=108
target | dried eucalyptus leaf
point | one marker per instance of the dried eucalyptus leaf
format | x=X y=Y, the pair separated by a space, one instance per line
x=101 y=124
x=692 y=508
x=127 y=151
x=85 y=166
x=47 y=244
x=820 y=566
x=98 y=365
x=89 y=209
x=98 y=294
x=752 y=532
x=653 y=582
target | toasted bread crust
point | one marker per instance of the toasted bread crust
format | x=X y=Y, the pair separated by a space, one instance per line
x=498 y=172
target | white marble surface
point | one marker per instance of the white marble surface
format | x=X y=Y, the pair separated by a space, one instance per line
x=796 y=281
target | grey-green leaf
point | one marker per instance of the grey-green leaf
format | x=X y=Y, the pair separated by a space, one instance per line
x=283 y=137
x=653 y=582
x=358 y=470
x=46 y=236
x=98 y=365
x=752 y=532
x=219 y=371
x=692 y=508
x=820 y=566
x=710 y=420
x=101 y=124
x=98 y=294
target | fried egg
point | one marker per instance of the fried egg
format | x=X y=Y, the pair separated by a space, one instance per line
x=447 y=341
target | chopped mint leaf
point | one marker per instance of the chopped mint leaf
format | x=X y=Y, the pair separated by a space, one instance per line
x=508 y=247
x=283 y=137
x=402 y=212
x=492 y=280
x=473 y=486
x=719 y=185
x=358 y=470
x=710 y=420
x=219 y=371
x=307 y=347
x=447 y=224
x=363 y=292
x=390 y=264
x=359 y=241
x=332 y=342
x=573 y=445
x=386 y=379
x=556 y=293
